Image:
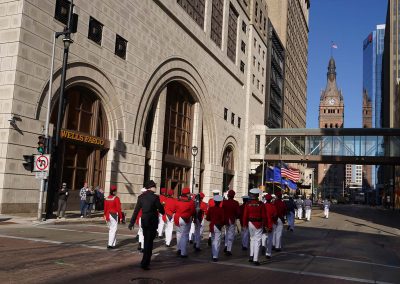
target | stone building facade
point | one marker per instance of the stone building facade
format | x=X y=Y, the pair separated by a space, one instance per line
x=146 y=81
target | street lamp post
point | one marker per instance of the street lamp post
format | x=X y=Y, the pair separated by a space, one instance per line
x=195 y=150
x=61 y=102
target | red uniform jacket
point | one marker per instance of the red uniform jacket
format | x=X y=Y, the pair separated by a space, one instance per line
x=163 y=198
x=215 y=215
x=241 y=211
x=112 y=204
x=231 y=211
x=203 y=210
x=280 y=209
x=254 y=212
x=272 y=215
x=169 y=208
x=211 y=203
x=185 y=208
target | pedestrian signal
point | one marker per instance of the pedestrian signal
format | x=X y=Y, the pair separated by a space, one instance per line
x=28 y=164
x=41 y=144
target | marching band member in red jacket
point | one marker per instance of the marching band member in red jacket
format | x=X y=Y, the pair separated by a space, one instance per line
x=112 y=214
x=254 y=217
x=185 y=210
x=215 y=215
x=278 y=228
x=161 y=223
x=168 y=217
x=231 y=213
x=199 y=222
x=244 y=230
x=211 y=203
x=272 y=219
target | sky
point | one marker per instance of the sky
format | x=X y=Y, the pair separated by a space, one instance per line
x=347 y=23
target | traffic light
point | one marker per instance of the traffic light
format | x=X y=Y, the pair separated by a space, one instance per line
x=28 y=164
x=41 y=144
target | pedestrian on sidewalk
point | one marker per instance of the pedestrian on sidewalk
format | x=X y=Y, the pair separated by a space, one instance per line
x=82 y=195
x=151 y=207
x=308 y=207
x=112 y=215
x=62 y=201
x=299 y=205
x=326 y=206
x=89 y=202
x=215 y=215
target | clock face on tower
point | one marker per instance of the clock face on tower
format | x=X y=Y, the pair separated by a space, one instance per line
x=331 y=101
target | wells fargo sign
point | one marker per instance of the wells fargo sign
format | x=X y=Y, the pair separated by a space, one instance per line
x=83 y=138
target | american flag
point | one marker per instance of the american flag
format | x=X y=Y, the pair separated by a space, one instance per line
x=334 y=45
x=291 y=174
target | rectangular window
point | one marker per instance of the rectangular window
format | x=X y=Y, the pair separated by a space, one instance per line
x=243 y=47
x=258 y=84
x=233 y=118
x=62 y=11
x=254 y=61
x=244 y=27
x=258 y=67
x=239 y=120
x=261 y=17
x=232 y=31
x=255 y=42
x=242 y=66
x=257 y=145
x=216 y=21
x=256 y=12
x=262 y=88
x=120 y=46
x=95 y=30
x=263 y=54
x=265 y=24
x=254 y=77
x=263 y=70
x=225 y=114
x=195 y=9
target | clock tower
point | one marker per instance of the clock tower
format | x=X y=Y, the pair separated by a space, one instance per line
x=331 y=115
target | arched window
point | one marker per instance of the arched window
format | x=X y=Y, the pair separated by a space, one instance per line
x=331 y=125
x=326 y=125
x=229 y=169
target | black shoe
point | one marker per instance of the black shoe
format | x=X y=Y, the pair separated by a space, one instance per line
x=273 y=248
x=190 y=242
x=184 y=256
x=251 y=259
x=244 y=248
x=139 y=247
x=256 y=263
x=168 y=246
x=145 y=267
x=178 y=252
x=225 y=249
x=110 y=247
x=291 y=229
x=277 y=250
x=215 y=259
x=268 y=256
x=209 y=242
x=197 y=249
x=263 y=250
x=228 y=253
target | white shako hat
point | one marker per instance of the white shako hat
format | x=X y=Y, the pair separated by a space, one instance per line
x=218 y=198
x=255 y=191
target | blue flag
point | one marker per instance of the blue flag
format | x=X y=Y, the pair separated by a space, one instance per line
x=277 y=174
x=269 y=173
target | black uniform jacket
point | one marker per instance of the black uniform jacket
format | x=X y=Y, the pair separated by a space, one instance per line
x=151 y=206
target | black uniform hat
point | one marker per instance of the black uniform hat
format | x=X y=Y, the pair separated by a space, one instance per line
x=150 y=184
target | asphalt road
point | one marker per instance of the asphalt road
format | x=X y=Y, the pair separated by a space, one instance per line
x=356 y=244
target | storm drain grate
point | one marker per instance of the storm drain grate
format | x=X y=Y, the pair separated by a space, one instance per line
x=142 y=280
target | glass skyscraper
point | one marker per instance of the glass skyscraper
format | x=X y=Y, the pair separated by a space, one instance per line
x=372 y=77
x=372 y=71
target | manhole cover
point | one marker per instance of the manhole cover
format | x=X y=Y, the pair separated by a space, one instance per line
x=143 y=280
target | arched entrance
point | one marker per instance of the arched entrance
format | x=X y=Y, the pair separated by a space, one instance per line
x=84 y=142
x=229 y=169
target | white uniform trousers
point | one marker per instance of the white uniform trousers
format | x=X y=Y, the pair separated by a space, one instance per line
x=300 y=213
x=230 y=236
x=182 y=236
x=169 y=228
x=290 y=219
x=140 y=233
x=308 y=214
x=277 y=234
x=161 y=224
x=296 y=213
x=264 y=239
x=245 y=237
x=198 y=232
x=255 y=241
x=326 y=212
x=268 y=246
x=191 y=232
x=215 y=242
x=112 y=231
